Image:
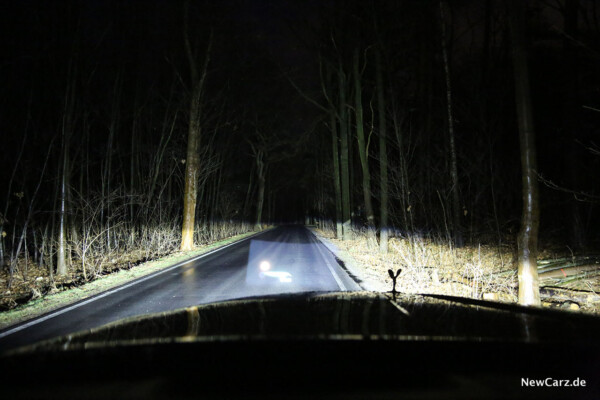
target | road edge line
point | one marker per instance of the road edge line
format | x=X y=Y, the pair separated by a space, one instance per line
x=349 y=266
x=337 y=278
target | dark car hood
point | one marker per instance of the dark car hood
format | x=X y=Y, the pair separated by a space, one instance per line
x=340 y=316
x=319 y=345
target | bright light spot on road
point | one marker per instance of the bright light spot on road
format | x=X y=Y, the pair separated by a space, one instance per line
x=283 y=276
x=265 y=266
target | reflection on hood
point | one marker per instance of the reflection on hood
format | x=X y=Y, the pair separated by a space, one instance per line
x=339 y=316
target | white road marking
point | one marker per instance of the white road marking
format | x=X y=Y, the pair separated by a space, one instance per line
x=331 y=269
x=46 y=317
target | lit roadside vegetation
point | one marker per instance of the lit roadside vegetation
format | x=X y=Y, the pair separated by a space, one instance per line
x=57 y=299
x=433 y=266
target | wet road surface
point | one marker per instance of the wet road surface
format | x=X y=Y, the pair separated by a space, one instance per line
x=287 y=259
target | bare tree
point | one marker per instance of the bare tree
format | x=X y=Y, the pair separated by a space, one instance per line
x=261 y=171
x=336 y=92
x=198 y=78
x=107 y=171
x=456 y=208
x=4 y=215
x=363 y=150
x=336 y=177
x=68 y=125
x=23 y=237
x=327 y=84
x=344 y=150
x=529 y=291
x=383 y=159
x=263 y=151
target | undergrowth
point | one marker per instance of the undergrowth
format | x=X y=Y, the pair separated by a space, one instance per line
x=430 y=264
x=91 y=259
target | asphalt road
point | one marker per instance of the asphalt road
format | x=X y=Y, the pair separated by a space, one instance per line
x=287 y=259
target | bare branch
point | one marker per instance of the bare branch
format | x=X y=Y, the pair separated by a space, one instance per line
x=577 y=195
x=591 y=108
x=305 y=96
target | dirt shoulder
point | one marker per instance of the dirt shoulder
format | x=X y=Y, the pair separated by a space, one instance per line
x=73 y=293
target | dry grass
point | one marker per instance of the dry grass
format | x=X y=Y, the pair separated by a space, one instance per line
x=71 y=288
x=434 y=267
x=92 y=258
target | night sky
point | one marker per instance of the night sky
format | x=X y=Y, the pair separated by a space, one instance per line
x=95 y=66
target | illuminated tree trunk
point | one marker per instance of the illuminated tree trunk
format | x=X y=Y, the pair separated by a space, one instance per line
x=363 y=152
x=191 y=179
x=67 y=129
x=383 y=161
x=61 y=265
x=194 y=131
x=529 y=292
x=344 y=162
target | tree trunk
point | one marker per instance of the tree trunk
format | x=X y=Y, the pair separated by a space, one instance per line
x=261 y=172
x=249 y=193
x=132 y=163
x=191 y=176
x=215 y=196
x=383 y=161
x=402 y=180
x=363 y=152
x=529 y=292
x=107 y=173
x=572 y=121
x=61 y=265
x=194 y=131
x=456 y=208
x=345 y=174
x=67 y=129
x=336 y=179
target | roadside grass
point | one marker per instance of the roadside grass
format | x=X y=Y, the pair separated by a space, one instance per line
x=42 y=304
x=431 y=266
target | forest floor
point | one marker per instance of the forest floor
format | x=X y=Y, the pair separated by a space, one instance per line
x=485 y=272
x=34 y=291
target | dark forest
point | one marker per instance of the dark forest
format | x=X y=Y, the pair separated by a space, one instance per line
x=131 y=130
